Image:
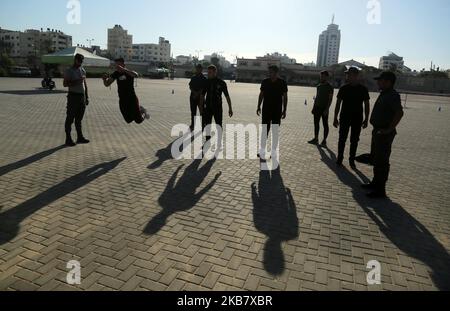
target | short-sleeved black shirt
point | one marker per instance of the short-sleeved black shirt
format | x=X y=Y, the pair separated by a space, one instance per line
x=213 y=90
x=387 y=105
x=353 y=97
x=125 y=84
x=273 y=94
x=324 y=90
x=197 y=83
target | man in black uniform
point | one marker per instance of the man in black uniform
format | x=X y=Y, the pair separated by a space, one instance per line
x=274 y=96
x=128 y=101
x=213 y=90
x=197 y=85
x=77 y=100
x=387 y=114
x=351 y=96
x=321 y=109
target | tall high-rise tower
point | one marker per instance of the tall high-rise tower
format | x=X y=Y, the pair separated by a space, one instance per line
x=329 y=45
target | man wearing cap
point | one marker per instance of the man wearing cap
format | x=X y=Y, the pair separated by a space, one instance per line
x=197 y=84
x=321 y=109
x=77 y=100
x=387 y=114
x=355 y=101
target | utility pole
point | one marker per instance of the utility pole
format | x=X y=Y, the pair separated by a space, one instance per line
x=90 y=42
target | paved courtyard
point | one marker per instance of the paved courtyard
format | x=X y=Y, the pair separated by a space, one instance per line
x=138 y=220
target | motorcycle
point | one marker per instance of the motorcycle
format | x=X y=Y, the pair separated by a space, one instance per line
x=48 y=83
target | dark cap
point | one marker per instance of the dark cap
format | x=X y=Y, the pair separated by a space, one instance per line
x=199 y=66
x=352 y=70
x=274 y=68
x=387 y=76
x=325 y=73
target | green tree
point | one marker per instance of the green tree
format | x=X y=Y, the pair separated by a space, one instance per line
x=5 y=63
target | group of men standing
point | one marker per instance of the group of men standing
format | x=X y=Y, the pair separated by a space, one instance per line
x=351 y=115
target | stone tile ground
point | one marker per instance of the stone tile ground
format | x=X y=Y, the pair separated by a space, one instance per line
x=138 y=220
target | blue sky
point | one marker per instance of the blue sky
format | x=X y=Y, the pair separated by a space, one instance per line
x=415 y=29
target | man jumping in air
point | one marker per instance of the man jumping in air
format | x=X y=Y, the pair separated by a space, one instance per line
x=128 y=101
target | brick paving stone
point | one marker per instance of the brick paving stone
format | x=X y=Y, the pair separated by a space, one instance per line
x=138 y=220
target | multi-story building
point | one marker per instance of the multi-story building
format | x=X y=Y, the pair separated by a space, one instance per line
x=183 y=59
x=393 y=62
x=152 y=52
x=222 y=60
x=329 y=46
x=283 y=58
x=120 y=43
x=34 y=42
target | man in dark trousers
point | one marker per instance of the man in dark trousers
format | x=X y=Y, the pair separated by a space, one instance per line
x=197 y=85
x=387 y=114
x=214 y=89
x=274 y=95
x=130 y=108
x=355 y=101
x=321 y=110
x=77 y=100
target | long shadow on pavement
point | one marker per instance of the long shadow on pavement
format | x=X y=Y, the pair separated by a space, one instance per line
x=11 y=219
x=165 y=154
x=275 y=215
x=33 y=92
x=182 y=195
x=34 y=158
x=400 y=227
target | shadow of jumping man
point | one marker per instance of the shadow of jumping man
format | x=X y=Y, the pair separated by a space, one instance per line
x=400 y=227
x=11 y=219
x=30 y=160
x=275 y=215
x=182 y=195
x=165 y=154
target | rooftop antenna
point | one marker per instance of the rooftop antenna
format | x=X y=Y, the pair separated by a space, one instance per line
x=332 y=19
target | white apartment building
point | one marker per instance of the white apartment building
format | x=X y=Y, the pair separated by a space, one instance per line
x=283 y=58
x=329 y=46
x=120 y=43
x=183 y=59
x=222 y=60
x=393 y=61
x=152 y=52
x=34 y=42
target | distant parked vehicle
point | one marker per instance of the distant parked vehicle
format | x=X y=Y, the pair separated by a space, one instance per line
x=20 y=71
x=48 y=83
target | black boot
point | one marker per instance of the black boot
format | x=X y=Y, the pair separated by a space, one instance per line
x=82 y=141
x=69 y=141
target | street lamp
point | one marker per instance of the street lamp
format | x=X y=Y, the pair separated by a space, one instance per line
x=90 y=42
